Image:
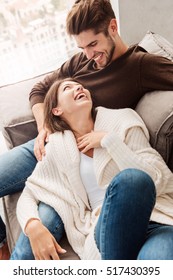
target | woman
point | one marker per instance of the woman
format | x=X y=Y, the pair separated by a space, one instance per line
x=99 y=174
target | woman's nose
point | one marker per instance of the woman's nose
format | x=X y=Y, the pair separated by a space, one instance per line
x=79 y=87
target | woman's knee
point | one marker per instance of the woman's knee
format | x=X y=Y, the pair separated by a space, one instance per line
x=134 y=180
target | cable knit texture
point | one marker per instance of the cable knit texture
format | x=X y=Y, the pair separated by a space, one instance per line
x=56 y=179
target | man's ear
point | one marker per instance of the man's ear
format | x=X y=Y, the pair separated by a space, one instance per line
x=57 y=111
x=113 y=26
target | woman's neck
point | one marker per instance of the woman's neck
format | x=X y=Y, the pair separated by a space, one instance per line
x=83 y=127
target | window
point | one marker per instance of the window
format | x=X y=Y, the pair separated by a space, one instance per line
x=33 y=37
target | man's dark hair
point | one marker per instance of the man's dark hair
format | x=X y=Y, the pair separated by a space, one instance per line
x=89 y=14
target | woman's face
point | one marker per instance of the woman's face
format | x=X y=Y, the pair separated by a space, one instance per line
x=72 y=96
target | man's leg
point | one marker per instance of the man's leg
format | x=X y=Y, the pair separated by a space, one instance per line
x=159 y=243
x=122 y=226
x=51 y=220
x=15 y=166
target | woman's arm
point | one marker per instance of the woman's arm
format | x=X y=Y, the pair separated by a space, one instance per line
x=43 y=243
x=39 y=187
x=136 y=152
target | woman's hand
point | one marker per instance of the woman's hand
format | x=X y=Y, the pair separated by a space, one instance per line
x=90 y=140
x=39 y=145
x=43 y=244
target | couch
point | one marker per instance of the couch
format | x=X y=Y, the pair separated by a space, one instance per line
x=156 y=109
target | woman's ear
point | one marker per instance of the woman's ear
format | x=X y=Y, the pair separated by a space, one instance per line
x=57 y=111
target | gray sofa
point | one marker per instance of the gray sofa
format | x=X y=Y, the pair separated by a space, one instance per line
x=156 y=109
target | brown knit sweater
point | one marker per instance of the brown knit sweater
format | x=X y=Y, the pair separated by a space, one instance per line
x=121 y=84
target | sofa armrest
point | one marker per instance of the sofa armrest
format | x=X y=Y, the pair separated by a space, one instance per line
x=156 y=109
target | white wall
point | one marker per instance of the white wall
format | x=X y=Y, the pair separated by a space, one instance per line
x=115 y=5
x=139 y=16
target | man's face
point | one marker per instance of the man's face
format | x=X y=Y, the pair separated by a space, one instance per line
x=98 y=47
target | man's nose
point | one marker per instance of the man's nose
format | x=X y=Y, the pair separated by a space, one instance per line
x=89 y=53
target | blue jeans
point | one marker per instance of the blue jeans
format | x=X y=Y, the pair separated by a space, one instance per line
x=123 y=231
x=158 y=244
x=15 y=167
x=51 y=220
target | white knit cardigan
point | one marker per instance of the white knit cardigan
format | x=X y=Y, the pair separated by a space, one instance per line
x=56 y=179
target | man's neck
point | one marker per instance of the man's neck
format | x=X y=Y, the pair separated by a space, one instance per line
x=120 y=48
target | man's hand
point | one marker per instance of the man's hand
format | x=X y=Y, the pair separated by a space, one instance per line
x=43 y=244
x=90 y=140
x=39 y=145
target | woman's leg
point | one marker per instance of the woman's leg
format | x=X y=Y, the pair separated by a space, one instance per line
x=158 y=244
x=123 y=222
x=51 y=220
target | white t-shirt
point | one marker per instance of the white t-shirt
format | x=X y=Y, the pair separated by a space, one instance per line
x=95 y=194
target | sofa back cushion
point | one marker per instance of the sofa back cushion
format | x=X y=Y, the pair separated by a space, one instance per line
x=17 y=121
x=156 y=108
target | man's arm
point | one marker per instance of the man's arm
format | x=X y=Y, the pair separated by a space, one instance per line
x=37 y=110
x=36 y=99
x=38 y=93
x=43 y=133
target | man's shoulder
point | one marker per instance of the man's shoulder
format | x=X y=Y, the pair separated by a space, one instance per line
x=148 y=57
x=136 y=51
x=132 y=56
x=138 y=55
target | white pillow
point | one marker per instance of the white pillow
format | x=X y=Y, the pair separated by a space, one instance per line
x=156 y=44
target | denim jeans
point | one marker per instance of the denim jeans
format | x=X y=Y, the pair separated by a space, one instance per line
x=158 y=244
x=122 y=226
x=15 y=167
x=123 y=231
x=51 y=220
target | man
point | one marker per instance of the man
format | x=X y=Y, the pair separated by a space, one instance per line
x=117 y=75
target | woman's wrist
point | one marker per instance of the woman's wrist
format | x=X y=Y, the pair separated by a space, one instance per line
x=31 y=225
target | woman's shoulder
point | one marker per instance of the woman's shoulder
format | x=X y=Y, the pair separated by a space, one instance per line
x=61 y=144
x=117 y=112
x=118 y=119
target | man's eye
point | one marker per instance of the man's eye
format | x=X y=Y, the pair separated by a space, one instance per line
x=93 y=44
